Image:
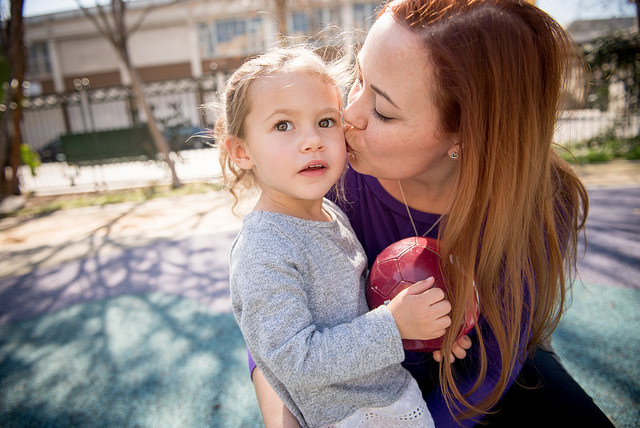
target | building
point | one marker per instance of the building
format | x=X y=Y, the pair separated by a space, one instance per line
x=182 y=50
x=583 y=31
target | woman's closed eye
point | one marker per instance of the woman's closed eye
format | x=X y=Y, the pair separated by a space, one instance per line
x=379 y=116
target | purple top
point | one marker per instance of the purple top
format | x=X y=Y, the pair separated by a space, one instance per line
x=379 y=220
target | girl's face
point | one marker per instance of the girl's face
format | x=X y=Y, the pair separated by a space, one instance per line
x=392 y=124
x=294 y=140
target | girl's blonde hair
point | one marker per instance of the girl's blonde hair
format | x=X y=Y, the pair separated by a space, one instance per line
x=235 y=99
x=500 y=69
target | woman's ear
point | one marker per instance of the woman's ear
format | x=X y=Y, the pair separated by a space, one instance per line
x=454 y=151
x=237 y=151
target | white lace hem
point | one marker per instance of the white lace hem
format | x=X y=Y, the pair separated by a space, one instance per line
x=409 y=410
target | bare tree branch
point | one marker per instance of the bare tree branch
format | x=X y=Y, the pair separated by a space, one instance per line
x=118 y=9
x=116 y=32
x=150 y=7
x=99 y=20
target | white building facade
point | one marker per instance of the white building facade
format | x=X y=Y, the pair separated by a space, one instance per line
x=77 y=83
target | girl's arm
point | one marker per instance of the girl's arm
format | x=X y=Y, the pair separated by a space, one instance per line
x=280 y=329
x=274 y=413
x=271 y=303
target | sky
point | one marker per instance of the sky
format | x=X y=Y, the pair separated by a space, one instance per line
x=564 y=11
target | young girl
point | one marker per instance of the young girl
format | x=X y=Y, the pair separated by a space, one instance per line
x=297 y=271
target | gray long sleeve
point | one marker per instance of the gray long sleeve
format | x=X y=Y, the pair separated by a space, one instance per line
x=297 y=290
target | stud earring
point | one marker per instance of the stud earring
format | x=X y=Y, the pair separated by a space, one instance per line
x=454 y=155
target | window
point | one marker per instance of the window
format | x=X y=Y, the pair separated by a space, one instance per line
x=328 y=18
x=229 y=29
x=312 y=23
x=364 y=15
x=234 y=36
x=38 y=62
x=205 y=40
x=299 y=24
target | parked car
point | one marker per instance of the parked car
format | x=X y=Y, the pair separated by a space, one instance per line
x=186 y=138
x=51 y=152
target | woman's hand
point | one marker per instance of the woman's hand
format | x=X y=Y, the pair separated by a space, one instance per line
x=421 y=311
x=458 y=351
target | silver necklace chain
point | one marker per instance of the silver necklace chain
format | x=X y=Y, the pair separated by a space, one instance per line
x=411 y=218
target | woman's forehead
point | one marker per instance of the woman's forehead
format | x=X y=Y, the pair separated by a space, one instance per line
x=393 y=59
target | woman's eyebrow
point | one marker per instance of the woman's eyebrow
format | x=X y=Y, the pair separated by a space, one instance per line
x=376 y=89
x=384 y=95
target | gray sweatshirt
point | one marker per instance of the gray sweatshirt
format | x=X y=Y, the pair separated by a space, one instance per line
x=298 y=294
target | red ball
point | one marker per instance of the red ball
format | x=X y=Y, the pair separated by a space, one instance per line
x=406 y=262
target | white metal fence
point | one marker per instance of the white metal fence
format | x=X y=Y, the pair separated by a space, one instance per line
x=59 y=177
x=175 y=104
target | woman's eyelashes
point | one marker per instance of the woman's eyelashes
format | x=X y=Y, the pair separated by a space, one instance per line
x=379 y=116
x=375 y=113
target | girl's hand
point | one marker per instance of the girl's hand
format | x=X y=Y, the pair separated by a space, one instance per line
x=458 y=351
x=421 y=311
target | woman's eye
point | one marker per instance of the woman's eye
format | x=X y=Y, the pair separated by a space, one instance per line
x=326 y=123
x=380 y=117
x=284 y=125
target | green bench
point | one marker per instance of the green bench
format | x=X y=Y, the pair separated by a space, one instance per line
x=102 y=147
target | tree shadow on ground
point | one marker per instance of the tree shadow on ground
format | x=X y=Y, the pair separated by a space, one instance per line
x=195 y=268
x=611 y=255
x=133 y=360
x=125 y=335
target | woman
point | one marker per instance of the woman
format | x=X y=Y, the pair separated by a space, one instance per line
x=450 y=124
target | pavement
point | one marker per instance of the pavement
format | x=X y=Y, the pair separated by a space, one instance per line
x=30 y=243
x=120 y=316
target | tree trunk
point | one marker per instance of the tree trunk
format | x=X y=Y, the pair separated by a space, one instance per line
x=17 y=59
x=116 y=32
x=281 y=18
x=158 y=137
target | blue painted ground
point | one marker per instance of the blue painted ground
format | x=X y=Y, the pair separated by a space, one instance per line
x=144 y=337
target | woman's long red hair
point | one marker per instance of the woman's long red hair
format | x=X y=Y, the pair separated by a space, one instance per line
x=501 y=67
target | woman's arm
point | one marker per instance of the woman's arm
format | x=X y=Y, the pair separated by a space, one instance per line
x=274 y=413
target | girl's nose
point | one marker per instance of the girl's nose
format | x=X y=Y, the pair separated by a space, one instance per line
x=312 y=142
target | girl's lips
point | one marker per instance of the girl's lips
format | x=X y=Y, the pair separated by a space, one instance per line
x=314 y=168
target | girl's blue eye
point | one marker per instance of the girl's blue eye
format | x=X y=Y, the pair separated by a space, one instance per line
x=284 y=125
x=326 y=123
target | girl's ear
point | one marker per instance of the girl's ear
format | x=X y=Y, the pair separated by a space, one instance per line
x=237 y=151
